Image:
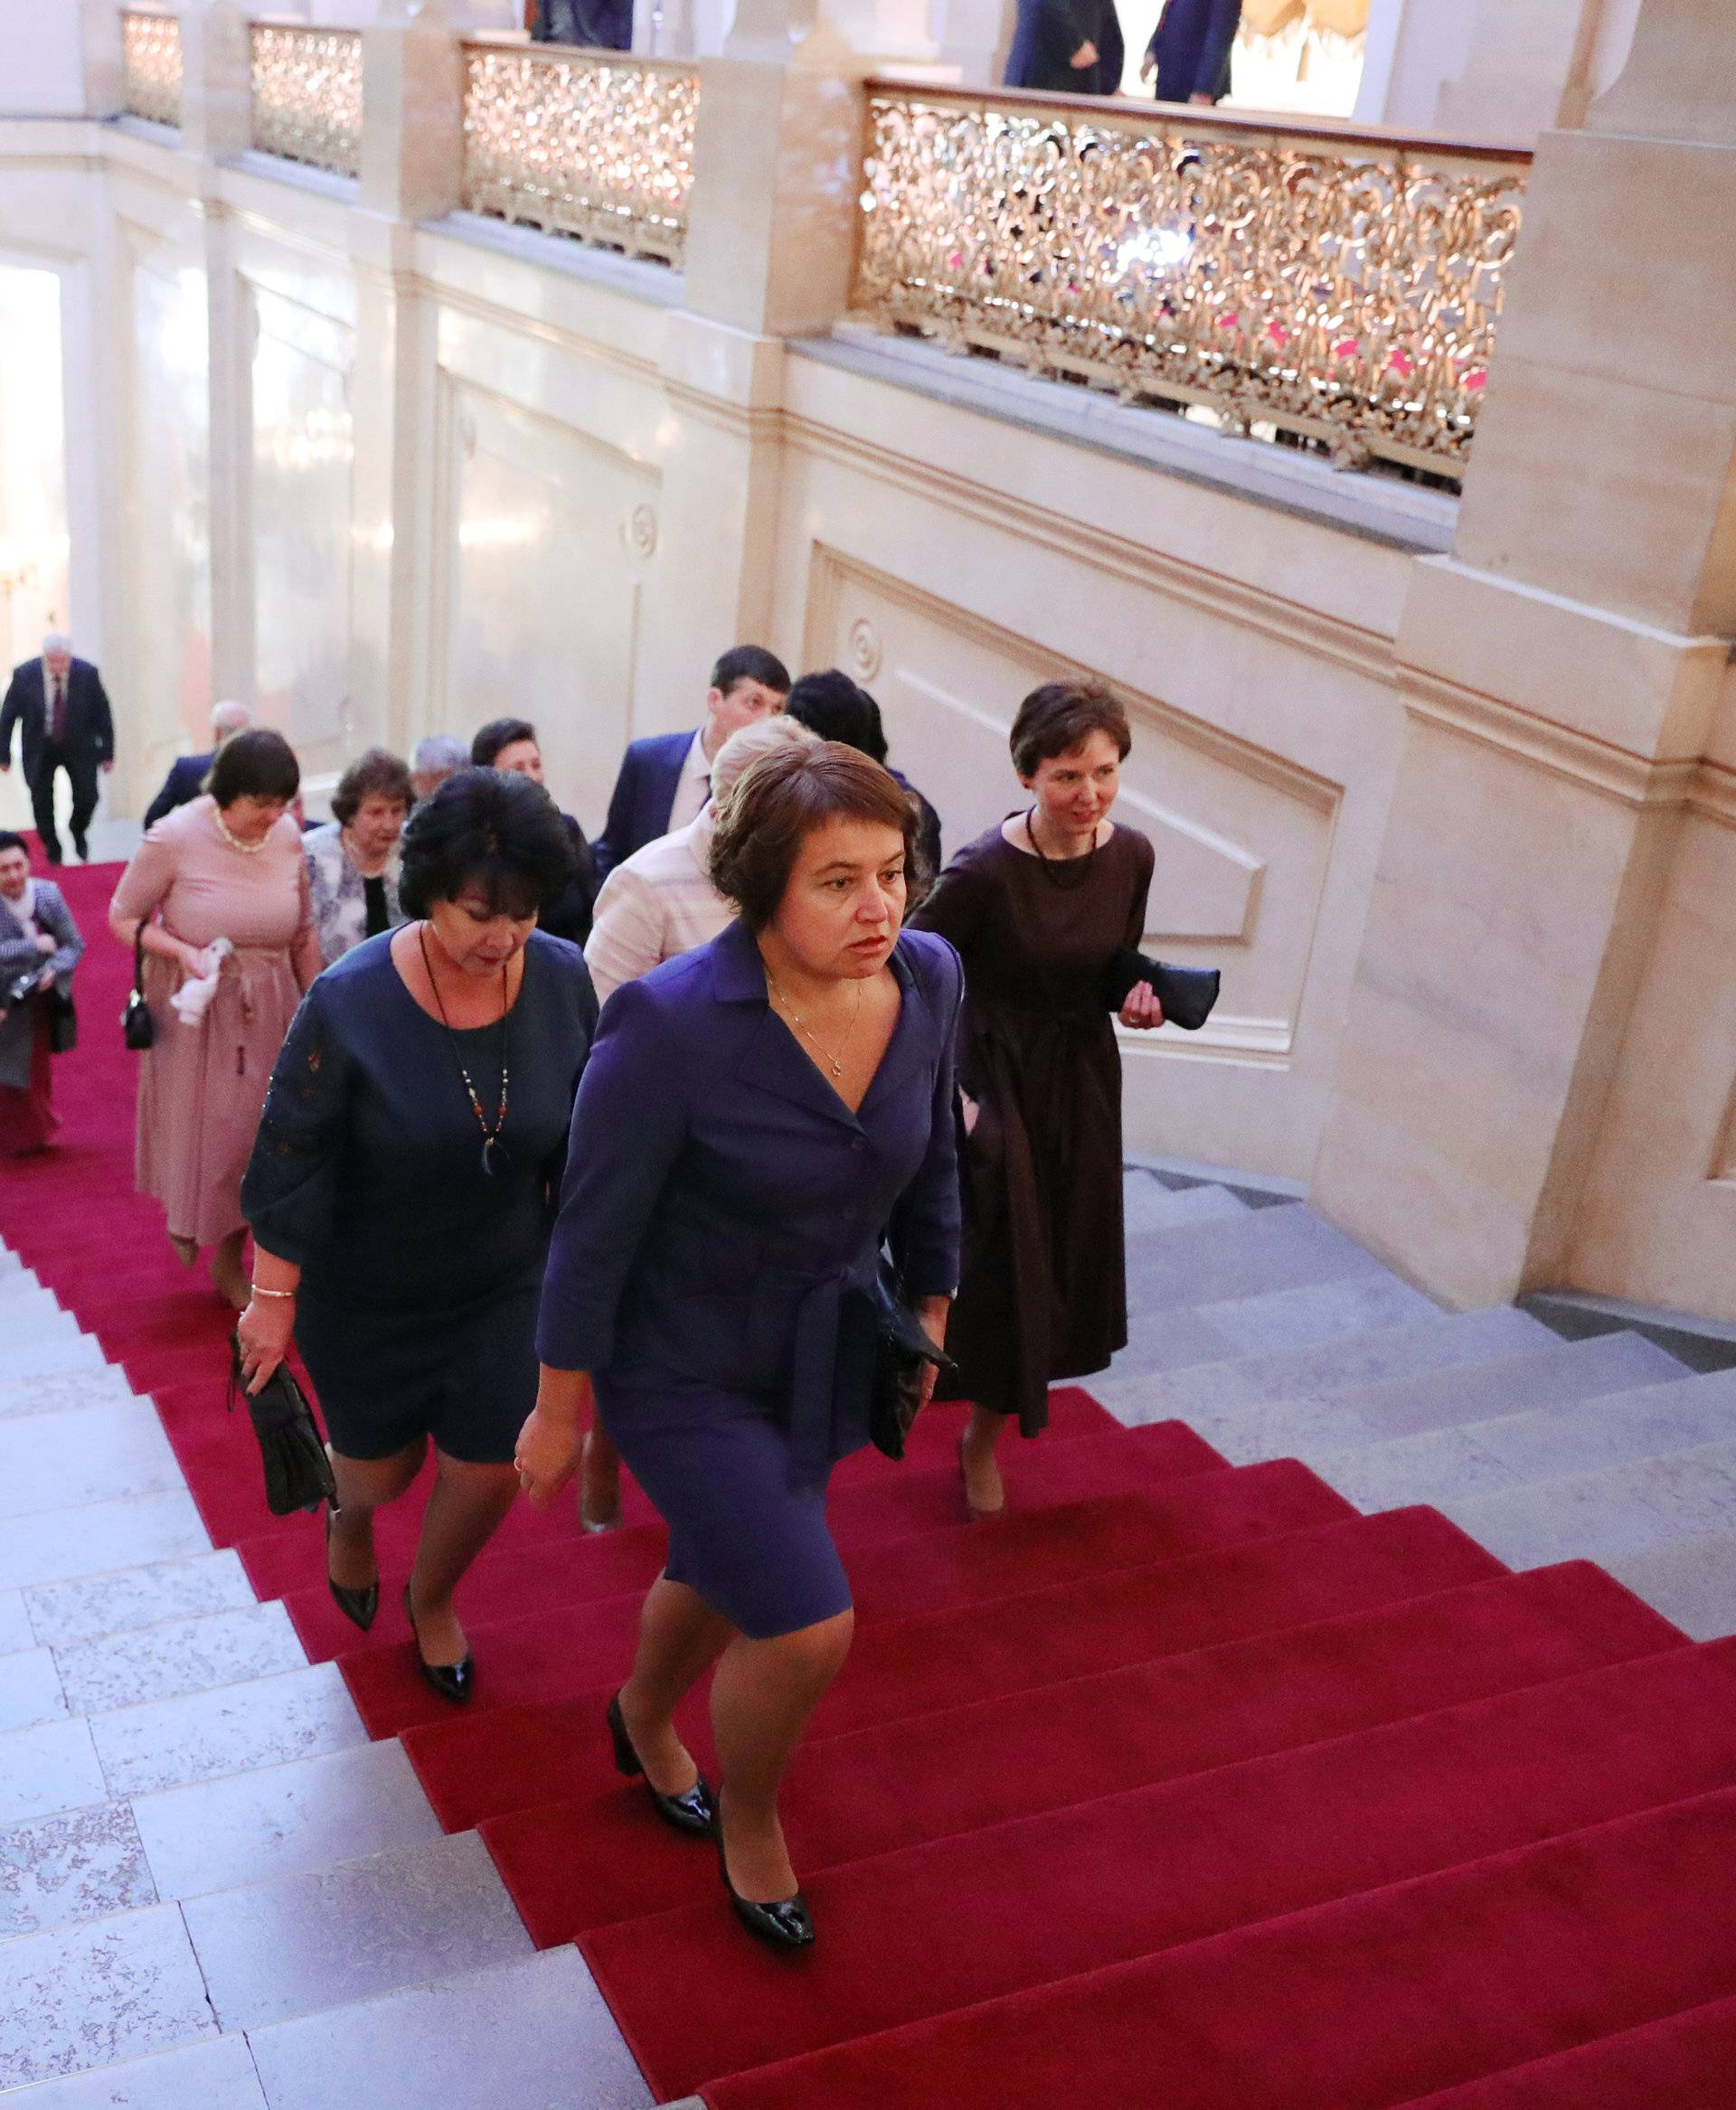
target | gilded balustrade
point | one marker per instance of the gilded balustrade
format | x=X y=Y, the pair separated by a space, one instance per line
x=307 y=95
x=1339 y=285
x=582 y=143
x=150 y=66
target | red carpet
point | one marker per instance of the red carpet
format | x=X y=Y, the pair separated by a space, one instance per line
x=1177 y=1785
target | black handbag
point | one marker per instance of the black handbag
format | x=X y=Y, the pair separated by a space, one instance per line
x=62 y=1022
x=1187 y=994
x=138 y=1027
x=903 y=1354
x=297 y=1470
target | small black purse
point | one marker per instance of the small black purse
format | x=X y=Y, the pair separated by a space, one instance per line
x=297 y=1471
x=138 y=1028
x=62 y=1022
x=1187 y=994
x=903 y=1355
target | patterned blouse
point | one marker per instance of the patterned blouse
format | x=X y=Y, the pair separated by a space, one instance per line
x=340 y=894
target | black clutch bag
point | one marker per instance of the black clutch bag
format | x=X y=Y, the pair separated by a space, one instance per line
x=138 y=1027
x=62 y=1022
x=1187 y=994
x=297 y=1472
x=903 y=1355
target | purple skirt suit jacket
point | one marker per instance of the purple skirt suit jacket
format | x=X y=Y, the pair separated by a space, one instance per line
x=720 y=1230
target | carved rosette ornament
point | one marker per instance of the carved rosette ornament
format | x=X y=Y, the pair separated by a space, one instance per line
x=642 y=530
x=1342 y=289
x=864 y=649
x=599 y=148
x=308 y=96
x=150 y=66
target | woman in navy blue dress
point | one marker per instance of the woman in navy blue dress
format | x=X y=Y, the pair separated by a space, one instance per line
x=755 y=1115
x=402 y=1185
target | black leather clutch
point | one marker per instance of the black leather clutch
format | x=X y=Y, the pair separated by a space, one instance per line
x=903 y=1355
x=1187 y=994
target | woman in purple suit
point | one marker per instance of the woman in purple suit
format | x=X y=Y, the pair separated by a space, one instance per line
x=755 y=1115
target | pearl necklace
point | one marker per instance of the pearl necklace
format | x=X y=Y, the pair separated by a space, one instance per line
x=234 y=841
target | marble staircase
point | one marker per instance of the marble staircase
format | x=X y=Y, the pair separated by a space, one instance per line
x=217 y=1893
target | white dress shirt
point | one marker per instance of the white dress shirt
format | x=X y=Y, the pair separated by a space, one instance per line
x=693 y=787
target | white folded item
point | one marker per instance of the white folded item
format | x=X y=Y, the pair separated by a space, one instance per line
x=192 y=999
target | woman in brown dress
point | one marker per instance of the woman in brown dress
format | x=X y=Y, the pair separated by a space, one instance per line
x=230 y=865
x=1038 y=907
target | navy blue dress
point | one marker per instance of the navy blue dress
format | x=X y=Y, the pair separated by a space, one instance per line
x=718 y=1238
x=419 y=1271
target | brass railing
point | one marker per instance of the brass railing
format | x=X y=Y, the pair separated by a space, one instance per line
x=150 y=66
x=589 y=144
x=1339 y=285
x=307 y=95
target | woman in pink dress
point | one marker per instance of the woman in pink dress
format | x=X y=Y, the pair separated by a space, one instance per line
x=228 y=866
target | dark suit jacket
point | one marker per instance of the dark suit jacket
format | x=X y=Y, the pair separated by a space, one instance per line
x=1047 y=34
x=570 y=915
x=90 y=728
x=181 y=784
x=1192 y=47
x=644 y=791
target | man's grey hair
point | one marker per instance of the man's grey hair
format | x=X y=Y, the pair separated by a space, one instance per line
x=441 y=754
x=57 y=641
x=763 y=737
x=230 y=717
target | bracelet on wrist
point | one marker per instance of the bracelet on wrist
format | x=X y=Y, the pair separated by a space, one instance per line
x=288 y=1295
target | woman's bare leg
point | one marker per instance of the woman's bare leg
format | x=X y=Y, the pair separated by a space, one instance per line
x=761 y=1696
x=228 y=1274
x=680 y=1638
x=464 y=1511
x=983 y=1488
x=365 y=1485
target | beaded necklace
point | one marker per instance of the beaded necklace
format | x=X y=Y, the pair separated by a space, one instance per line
x=494 y=1156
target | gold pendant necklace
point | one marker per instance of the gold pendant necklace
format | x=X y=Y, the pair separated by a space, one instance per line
x=833 y=1062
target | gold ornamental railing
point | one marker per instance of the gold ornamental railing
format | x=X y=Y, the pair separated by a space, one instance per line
x=307 y=95
x=589 y=144
x=150 y=66
x=1337 y=285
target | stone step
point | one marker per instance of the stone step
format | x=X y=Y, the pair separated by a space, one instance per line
x=48 y=1767
x=1147 y=1205
x=178 y=1656
x=226 y=1729
x=1594 y=1515
x=250 y=1828
x=216 y=2073
x=1276 y=1322
x=1442 y=1341
x=1691 y=1581
x=1555 y=1373
x=1549 y=1443
x=98 y=1537
x=55 y=1352
x=78 y=1865
x=30 y=1688
x=1263 y=1250
x=92 y=1607
x=84 y=1455
x=53 y=1391
x=15 y=1630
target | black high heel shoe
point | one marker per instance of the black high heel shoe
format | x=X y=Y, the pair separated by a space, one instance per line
x=453 y=1681
x=358 y=1606
x=693 y=1813
x=785 y=1924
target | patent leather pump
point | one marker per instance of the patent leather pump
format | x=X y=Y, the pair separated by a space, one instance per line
x=785 y=1924
x=453 y=1681
x=692 y=1812
x=358 y=1606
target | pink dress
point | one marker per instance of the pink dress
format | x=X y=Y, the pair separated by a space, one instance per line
x=203 y=1086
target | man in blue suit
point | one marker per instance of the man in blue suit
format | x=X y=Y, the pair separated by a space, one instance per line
x=665 y=779
x=60 y=710
x=1189 y=50
x=187 y=772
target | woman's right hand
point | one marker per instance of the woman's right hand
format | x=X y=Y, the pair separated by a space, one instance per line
x=547 y=1455
x=265 y=1330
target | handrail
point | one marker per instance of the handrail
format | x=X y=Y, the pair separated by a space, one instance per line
x=150 y=65
x=1333 y=283
x=307 y=94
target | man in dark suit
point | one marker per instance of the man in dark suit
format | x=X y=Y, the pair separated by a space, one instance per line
x=1066 y=47
x=1189 y=50
x=665 y=779
x=187 y=773
x=57 y=703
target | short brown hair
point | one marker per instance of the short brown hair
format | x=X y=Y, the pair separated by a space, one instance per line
x=1056 y=718
x=780 y=799
x=377 y=774
x=255 y=764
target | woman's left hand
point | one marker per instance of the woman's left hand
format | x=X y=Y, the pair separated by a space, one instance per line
x=265 y=1329
x=547 y=1455
x=1142 y=1009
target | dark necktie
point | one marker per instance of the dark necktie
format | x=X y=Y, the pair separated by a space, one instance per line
x=57 y=716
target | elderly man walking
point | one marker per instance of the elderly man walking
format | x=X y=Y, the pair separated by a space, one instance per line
x=187 y=773
x=57 y=703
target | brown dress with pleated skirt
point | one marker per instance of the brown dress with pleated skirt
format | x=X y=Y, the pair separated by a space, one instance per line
x=1042 y=1295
